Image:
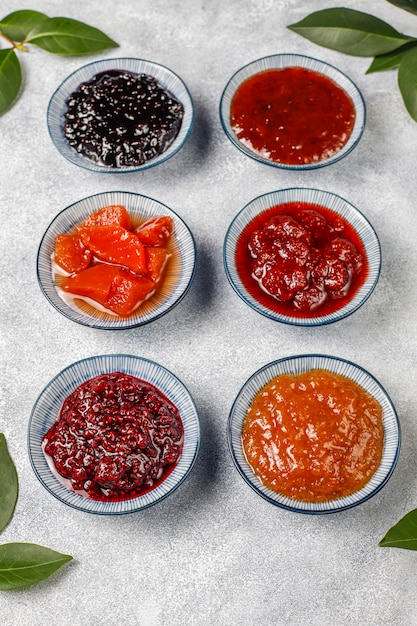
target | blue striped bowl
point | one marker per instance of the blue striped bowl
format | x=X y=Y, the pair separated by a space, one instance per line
x=165 y=77
x=297 y=365
x=325 y=199
x=280 y=61
x=178 y=278
x=48 y=406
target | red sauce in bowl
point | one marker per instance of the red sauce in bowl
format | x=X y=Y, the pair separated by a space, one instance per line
x=301 y=260
x=116 y=438
x=313 y=437
x=293 y=116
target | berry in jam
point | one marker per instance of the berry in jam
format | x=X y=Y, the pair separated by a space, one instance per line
x=116 y=438
x=122 y=119
x=301 y=259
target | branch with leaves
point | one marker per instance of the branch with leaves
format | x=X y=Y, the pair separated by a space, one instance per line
x=58 y=35
x=21 y=564
x=360 y=34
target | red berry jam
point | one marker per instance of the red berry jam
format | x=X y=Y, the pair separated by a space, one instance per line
x=300 y=259
x=121 y=119
x=116 y=438
x=293 y=115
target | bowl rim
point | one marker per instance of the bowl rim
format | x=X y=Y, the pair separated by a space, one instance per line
x=55 y=110
x=309 y=195
x=47 y=407
x=297 y=364
x=279 y=61
x=44 y=269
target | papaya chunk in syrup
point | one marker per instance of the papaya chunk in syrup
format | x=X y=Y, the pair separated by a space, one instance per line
x=156 y=262
x=111 y=215
x=115 y=244
x=155 y=231
x=110 y=263
x=94 y=282
x=128 y=292
x=71 y=254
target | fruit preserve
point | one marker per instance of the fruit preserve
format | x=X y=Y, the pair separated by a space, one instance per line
x=122 y=119
x=116 y=438
x=301 y=260
x=113 y=264
x=313 y=437
x=293 y=116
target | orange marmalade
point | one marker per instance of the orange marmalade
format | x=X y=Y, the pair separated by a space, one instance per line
x=314 y=436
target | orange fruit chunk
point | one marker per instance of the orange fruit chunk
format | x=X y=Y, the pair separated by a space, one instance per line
x=113 y=214
x=94 y=282
x=128 y=291
x=115 y=244
x=155 y=231
x=71 y=254
x=156 y=262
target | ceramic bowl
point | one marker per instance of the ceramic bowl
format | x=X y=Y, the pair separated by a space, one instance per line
x=281 y=61
x=48 y=406
x=178 y=278
x=319 y=198
x=297 y=365
x=165 y=77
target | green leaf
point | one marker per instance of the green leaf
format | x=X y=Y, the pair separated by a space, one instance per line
x=9 y=485
x=24 y=564
x=390 y=60
x=407 y=5
x=61 y=35
x=18 y=24
x=403 y=534
x=351 y=32
x=407 y=81
x=10 y=78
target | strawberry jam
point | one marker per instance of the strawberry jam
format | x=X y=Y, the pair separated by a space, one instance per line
x=292 y=116
x=300 y=259
x=116 y=438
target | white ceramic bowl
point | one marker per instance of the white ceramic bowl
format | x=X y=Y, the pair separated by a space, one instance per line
x=178 y=277
x=280 y=61
x=320 y=198
x=165 y=77
x=48 y=406
x=297 y=365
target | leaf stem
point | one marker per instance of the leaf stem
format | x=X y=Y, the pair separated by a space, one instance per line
x=14 y=44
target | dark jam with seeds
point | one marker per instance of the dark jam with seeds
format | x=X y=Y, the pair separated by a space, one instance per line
x=300 y=259
x=116 y=438
x=122 y=119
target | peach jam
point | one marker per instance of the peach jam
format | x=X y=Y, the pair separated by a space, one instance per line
x=313 y=437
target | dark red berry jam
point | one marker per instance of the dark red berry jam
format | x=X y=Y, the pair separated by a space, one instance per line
x=300 y=259
x=121 y=119
x=116 y=438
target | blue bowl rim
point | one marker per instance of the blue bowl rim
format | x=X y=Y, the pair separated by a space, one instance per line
x=347 y=149
x=340 y=314
x=90 y=165
x=251 y=481
x=67 y=313
x=130 y=504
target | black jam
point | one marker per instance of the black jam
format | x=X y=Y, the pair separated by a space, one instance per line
x=121 y=119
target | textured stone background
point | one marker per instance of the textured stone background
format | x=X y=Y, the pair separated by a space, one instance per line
x=214 y=553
